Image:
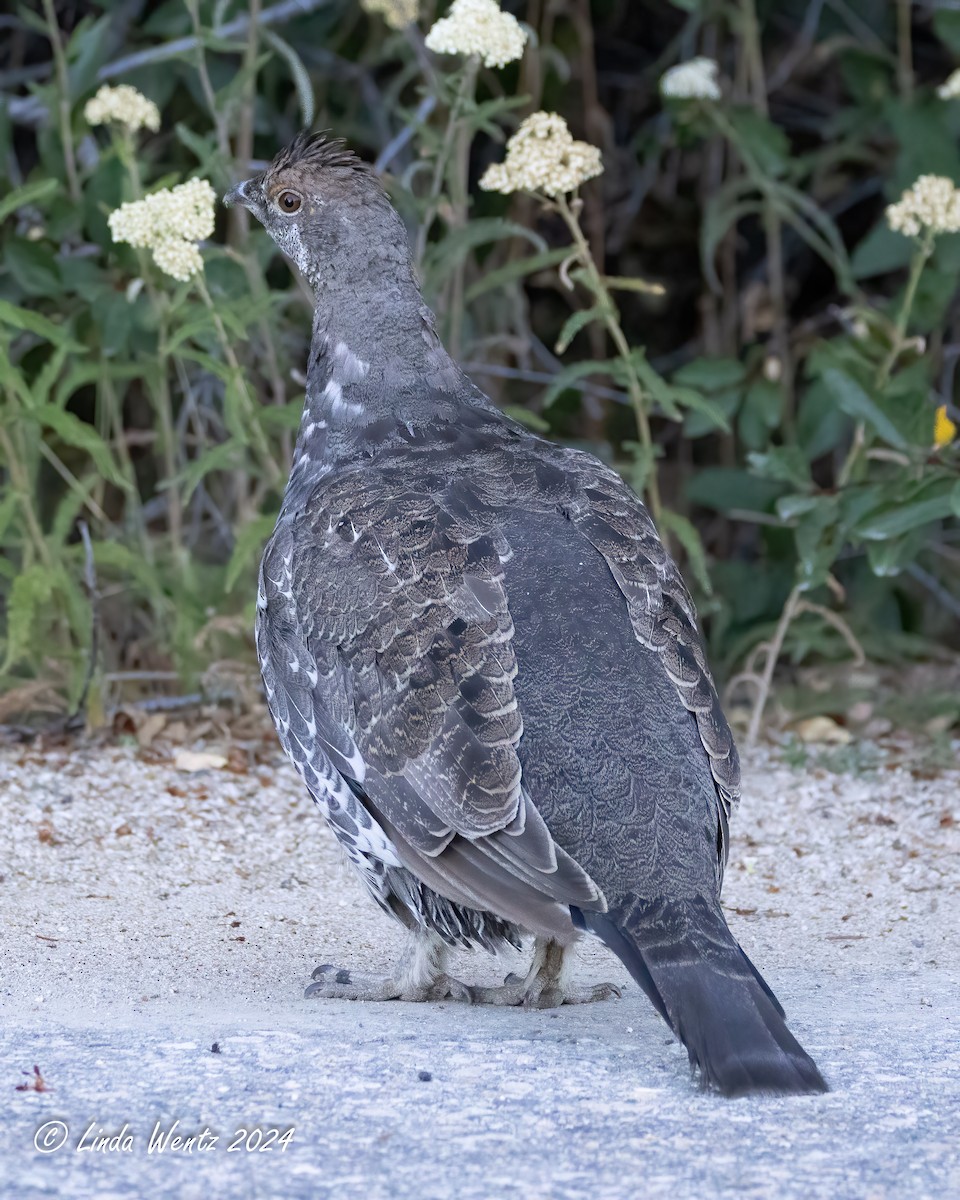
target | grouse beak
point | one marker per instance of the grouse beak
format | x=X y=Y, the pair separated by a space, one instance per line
x=241 y=194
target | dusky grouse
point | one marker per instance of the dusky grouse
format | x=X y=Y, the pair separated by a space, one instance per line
x=486 y=667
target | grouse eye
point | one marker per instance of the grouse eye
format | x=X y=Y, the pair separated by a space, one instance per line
x=289 y=202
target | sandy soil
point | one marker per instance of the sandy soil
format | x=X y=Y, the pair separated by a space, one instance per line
x=149 y=912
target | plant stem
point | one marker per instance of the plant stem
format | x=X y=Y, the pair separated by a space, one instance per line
x=63 y=106
x=219 y=124
x=459 y=171
x=16 y=459
x=160 y=390
x=773 y=650
x=906 y=308
x=905 y=49
x=611 y=320
x=240 y=217
x=272 y=470
x=884 y=371
x=466 y=84
x=772 y=225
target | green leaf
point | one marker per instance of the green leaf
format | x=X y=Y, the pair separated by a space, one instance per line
x=633 y=283
x=688 y=537
x=946 y=25
x=726 y=488
x=710 y=415
x=790 y=508
x=767 y=143
x=784 y=463
x=518 y=269
x=129 y=566
x=819 y=539
x=821 y=427
x=223 y=457
x=9 y=507
x=523 y=416
x=855 y=402
x=248 y=544
x=569 y=376
x=202 y=148
x=882 y=251
x=899 y=519
x=31 y=589
x=70 y=429
x=724 y=209
x=574 y=323
x=208 y=362
x=710 y=374
x=299 y=73
x=49 y=373
x=816 y=229
x=889 y=557
x=652 y=382
x=33 y=266
x=32 y=322
x=281 y=416
x=443 y=256
x=30 y=193
x=760 y=413
x=710 y=410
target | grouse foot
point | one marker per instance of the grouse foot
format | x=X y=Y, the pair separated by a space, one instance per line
x=419 y=976
x=337 y=983
x=544 y=985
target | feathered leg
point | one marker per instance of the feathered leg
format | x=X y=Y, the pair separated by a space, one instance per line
x=544 y=985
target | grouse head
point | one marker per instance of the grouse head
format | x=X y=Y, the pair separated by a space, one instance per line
x=325 y=209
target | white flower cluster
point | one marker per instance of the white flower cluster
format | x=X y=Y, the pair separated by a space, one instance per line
x=479 y=27
x=398 y=14
x=169 y=223
x=950 y=88
x=125 y=105
x=932 y=204
x=543 y=157
x=179 y=259
x=693 y=80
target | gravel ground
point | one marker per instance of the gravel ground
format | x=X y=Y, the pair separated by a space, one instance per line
x=150 y=912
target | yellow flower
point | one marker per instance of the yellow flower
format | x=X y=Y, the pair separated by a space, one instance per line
x=944 y=430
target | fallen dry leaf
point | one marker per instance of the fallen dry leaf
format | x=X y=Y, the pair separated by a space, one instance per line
x=822 y=729
x=198 y=760
x=150 y=728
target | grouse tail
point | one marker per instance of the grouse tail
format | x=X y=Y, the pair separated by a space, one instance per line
x=687 y=961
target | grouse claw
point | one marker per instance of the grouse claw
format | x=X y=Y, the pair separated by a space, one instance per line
x=338 y=983
x=536 y=993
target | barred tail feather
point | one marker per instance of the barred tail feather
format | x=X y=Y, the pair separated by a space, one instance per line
x=686 y=960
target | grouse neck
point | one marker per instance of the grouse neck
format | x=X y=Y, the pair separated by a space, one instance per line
x=375 y=368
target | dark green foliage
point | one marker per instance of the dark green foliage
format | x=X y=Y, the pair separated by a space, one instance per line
x=789 y=375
